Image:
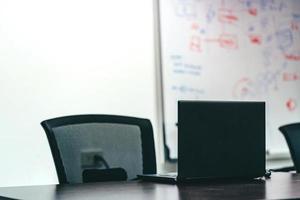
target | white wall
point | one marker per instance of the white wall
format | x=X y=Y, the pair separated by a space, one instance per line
x=64 y=57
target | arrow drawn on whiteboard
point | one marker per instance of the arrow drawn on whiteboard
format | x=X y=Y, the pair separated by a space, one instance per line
x=244 y=89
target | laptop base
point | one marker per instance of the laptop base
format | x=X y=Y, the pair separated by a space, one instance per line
x=172 y=178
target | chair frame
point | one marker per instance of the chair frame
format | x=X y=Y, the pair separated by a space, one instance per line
x=285 y=132
x=148 y=147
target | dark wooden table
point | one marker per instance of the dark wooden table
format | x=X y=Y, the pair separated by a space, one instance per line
x=279 y=186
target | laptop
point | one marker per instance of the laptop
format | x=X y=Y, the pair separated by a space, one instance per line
x=218 y=140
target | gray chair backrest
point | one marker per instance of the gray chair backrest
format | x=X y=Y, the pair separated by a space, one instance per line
x=122 y=142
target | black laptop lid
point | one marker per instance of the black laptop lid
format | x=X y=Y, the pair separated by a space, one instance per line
x=218 y=139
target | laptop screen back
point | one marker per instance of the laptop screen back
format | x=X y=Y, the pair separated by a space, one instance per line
x=218 y=139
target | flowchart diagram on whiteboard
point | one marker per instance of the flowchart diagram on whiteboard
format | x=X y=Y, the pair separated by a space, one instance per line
x=231 y=50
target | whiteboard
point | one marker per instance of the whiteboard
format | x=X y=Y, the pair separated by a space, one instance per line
x=231 y=50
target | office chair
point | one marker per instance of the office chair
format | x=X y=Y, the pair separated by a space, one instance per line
x=291 y=134
x=89 y=148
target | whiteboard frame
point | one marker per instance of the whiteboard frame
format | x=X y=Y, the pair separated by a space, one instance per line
x=160 y=81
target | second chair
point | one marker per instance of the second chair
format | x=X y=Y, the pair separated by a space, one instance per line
x=291 y=133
